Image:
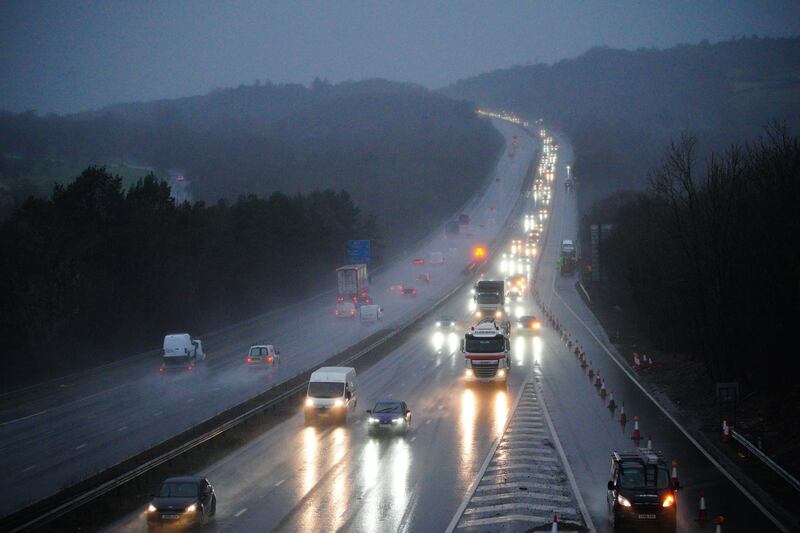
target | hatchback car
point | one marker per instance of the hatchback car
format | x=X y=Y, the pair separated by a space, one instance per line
x=389 y=416
x=182 y=502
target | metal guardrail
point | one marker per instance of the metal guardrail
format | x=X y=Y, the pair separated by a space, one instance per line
x=750 y=447
x=92 y=494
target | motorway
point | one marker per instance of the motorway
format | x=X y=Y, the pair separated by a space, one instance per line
x=60 y=432
x=444 y=475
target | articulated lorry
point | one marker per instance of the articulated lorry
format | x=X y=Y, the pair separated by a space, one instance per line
x=490 y=299
x=353 y=284
x=569 y=257
x=487 y=353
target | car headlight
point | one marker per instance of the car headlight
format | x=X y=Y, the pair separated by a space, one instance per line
x=398 y=420
x=668 y=501
x=151 y=508
x=623 y=501
x=338 y=403
x=438 y=324
x=309 y=402
x=452 y=324
x=373 y=420
x=192 y=508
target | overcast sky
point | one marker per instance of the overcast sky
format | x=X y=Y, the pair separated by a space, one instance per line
x=71 y=55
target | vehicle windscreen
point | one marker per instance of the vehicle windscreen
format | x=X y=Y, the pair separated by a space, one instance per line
x=494 y=344
x=319 y=389
x=177 y=360
x=633 y=476
x=258 y=351
x=178 y=490
x=388 y=407
x=488 y=298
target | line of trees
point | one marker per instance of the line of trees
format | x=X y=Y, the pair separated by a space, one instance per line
x=97 y=272
x=707 y=259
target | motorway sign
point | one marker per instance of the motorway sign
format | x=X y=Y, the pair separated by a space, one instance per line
x=358 y=251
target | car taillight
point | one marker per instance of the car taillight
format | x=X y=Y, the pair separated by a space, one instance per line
x=269 y=359
x=189 y=367
x=161 y=369
x=249 y=359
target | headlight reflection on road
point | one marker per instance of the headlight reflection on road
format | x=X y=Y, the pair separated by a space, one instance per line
x=537 y=350
x=438 y=341
x=398 y=493
x=519 y=350
x=370 y=468
x=309 y=478
x=453 y=343
x=467 y=427
x=500 y=412
x=340 y=494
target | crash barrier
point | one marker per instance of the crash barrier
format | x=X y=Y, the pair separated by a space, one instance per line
x=750 y=447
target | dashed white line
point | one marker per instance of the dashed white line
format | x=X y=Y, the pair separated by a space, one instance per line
x=240 y=512
x=23 y=418
x=80 y=446
x=29 y=468
x=190 y=400
x=123 y=428
x=413 y=438
x=428 y=421
x=279 y=483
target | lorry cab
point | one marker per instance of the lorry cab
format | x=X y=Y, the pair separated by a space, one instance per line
x=332 y=393
x=487 y=353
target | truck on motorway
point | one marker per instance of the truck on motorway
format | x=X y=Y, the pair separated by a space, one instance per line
x=181 y=352
x=332 y=393
x=370 y=313
x=490 y=299
x=487 y=353
x=569 y=256
x=353 y=284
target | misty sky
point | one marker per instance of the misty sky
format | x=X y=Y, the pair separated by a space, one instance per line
x=72 y=55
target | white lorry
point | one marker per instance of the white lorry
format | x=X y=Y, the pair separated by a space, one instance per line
x=181 y=352
x=487 y=353
x=332 y=393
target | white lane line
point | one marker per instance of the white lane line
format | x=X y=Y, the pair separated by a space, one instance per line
x=190 y=400
x=279 y=483
x=80 y=446
x=440 y=407
x=672 y=419
x=522 y=494
x=158 y=413
x=8 y=422
x=240 y=512
x=428 y=421
x=29 y=468
x=413 y=438
x=567 y=468
x=510 y=518
x=123 y=428
x=472 y=489
x=503 y=507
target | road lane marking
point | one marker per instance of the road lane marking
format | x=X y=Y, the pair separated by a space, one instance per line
x=190 y=400
x=279 y=483
x=29 y=468
x=123 y=428
x=428 y=421
x=240 y=512
x=158 y=413
x=80 y=446
x=413 y=438
x=22 y=418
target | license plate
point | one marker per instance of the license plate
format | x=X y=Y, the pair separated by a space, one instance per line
x=323 y=413
x=647 y=517
x=170 y=516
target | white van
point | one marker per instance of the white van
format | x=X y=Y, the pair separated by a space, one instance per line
x=332 y=393
x=181 y=351
x=370 y=313
x=436 y=258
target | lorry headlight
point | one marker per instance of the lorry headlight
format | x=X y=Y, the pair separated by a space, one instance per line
x=501 y=373
x=338 y=403
x=478 y=314
x=309 y=402
x=468 y=372
x=499 y=314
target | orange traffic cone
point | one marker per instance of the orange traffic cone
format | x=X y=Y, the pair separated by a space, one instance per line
x=702 y=514
x=719 y=521
x=554 y=527
x=611 y=403
x=597 y=380
x=675 y=483
x=637 y=363
x=603 y=389
x=591 y=370
x=623 y=419
x=726 y=431
x=636 y=435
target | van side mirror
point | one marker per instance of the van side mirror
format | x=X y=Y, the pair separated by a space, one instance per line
x=611 y=485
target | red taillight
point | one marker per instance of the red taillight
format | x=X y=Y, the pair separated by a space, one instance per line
x=249 y=359
x=161 y=369
x=189 y=367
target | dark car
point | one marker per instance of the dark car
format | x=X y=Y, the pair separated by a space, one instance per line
x=530 y=323
x=182 y=502
x=389 y=416
x=446 y=322
x=640 y=491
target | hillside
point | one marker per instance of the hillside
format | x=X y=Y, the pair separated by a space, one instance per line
x=621 y=107
x=400 y=149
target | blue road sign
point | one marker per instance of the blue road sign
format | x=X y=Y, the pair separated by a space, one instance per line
x=358 y=251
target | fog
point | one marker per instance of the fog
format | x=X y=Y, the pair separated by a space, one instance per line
x=71 y=56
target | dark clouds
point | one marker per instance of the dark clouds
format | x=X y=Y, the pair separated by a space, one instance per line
x=69 y=56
